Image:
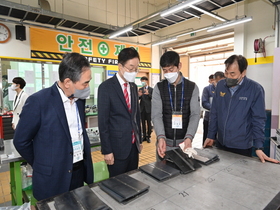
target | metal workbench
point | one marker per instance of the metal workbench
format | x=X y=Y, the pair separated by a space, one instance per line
x=234 y=182
x=13 y=158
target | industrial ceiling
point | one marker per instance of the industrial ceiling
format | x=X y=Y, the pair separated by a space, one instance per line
x=24 y=14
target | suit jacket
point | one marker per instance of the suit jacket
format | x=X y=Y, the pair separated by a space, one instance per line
x=43 y=139
x=115 y=122
x=18 y=104
x=146 y=100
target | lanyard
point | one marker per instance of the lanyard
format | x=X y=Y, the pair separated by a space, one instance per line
x=182 y=97
x=78 y=121
x=18 y=100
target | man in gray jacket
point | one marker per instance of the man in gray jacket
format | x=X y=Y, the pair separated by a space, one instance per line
x=175 y=106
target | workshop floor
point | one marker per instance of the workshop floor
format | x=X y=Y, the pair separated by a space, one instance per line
x=147 y=156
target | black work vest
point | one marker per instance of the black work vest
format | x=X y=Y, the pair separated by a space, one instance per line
x=170 y=133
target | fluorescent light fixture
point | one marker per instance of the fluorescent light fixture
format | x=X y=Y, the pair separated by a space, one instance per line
x=194 y=31
x=191 y=14
x=117 y=33
x=165 y=41
x=229 y=23
x=207 y=13
x=178 y=7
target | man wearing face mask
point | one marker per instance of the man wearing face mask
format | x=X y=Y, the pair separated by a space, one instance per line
x=119 y=116
x=51 y=133
x=175 y=106
x=238 y=112
x=19 y=100
x=145 y=96
x=207 y=98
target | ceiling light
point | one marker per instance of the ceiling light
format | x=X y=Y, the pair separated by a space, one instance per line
x=207 y=13
x=178 y=7
x=165 y=41
x=122 y=31
x=230 y=23
x=191 y=14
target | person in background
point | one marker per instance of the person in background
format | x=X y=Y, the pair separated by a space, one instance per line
x=51 y=134
x=207 y=97
x=211 y=79
x=7 y=104
x=206 y=100
x=145 y=96
x=175 y=106
x=19 y=100
x=238 y=112
x=119 y=116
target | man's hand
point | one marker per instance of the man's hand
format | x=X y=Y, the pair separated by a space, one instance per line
x=161 y=147
x=263 y=157
x=140 y=93
x=208 y=142
x=188 y=143
x=146 y=92
x=109 y=159
x=141 y=147
x=13 y=126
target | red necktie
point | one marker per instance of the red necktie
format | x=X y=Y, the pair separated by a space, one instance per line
x=126 y=97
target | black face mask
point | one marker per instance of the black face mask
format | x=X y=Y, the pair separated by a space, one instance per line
x=232 y=82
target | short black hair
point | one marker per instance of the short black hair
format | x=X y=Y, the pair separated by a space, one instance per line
x=72 y=66
x=144 y=78
x=241 y=61
x=219 y=74
x=20 y=81
x=170 y=58
x=5 y=77
x=211 y=76
x=127 y=54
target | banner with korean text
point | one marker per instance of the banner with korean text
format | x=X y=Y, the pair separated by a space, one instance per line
x=51 y=45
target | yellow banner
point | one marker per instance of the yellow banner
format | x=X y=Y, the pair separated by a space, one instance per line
x=51 y=44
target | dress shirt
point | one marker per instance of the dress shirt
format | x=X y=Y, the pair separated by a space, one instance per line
x=122 y=85
x=73 y=118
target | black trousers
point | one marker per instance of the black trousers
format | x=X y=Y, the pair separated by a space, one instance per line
x=245 y=152
x=77 y=179
x=205 y=130
x=146 y=130
x=128 y=164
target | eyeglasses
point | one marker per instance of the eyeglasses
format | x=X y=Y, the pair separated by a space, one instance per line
x=132 y=70
x=169 y=69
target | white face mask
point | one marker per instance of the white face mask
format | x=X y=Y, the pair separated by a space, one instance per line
x=129 y=76
x=14 y=87
x=82 y=94
x=171 y=77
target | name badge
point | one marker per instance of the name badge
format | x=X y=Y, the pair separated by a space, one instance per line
x=77 y=151
x=177 y=120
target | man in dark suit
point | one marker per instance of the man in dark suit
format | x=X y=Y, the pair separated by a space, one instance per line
x=119 y=116
x=145 y=96
x=51 y=135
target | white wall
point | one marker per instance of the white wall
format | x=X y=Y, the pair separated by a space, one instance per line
x=260 y=27
x=15 y=48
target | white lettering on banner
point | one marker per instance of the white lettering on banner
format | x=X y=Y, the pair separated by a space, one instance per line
x=102 y=60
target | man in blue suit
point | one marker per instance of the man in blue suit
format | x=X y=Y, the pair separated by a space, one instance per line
x=51 y=135
x=119 y=116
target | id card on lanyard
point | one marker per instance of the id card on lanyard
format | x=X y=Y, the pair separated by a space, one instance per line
x=77 y=142
x=77 y=151
x=177 y=116
x=177 y=120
